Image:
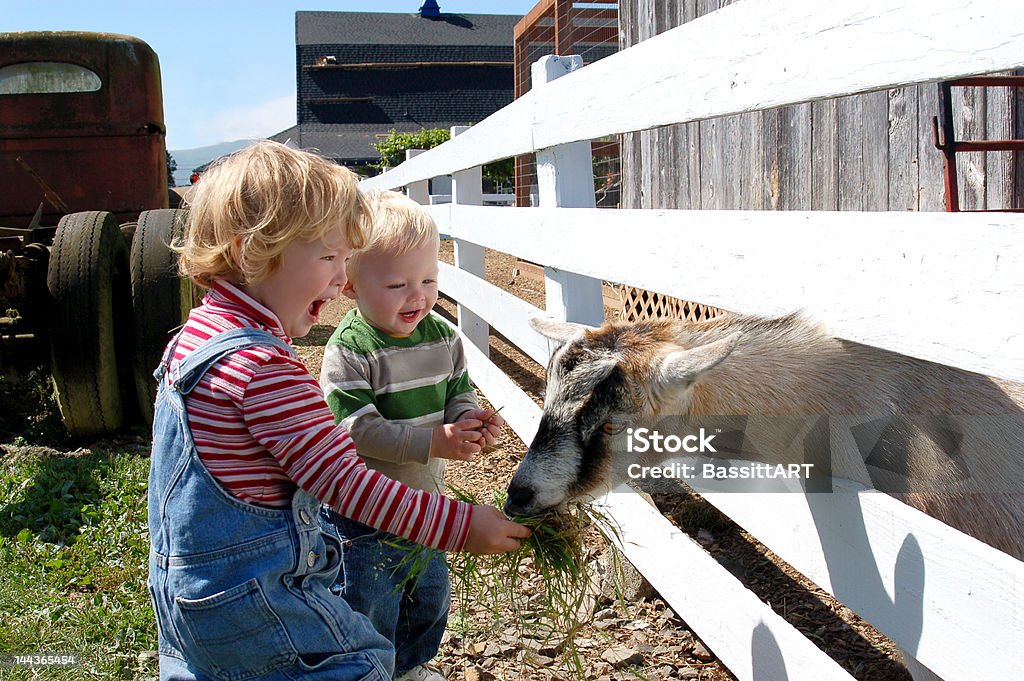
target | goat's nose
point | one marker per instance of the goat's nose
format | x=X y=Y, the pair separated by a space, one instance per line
x=519 y=498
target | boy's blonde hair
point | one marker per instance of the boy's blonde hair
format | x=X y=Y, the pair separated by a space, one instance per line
x=397 y=225
x=250 y=205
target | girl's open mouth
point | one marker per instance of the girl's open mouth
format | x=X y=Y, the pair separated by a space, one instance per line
x=315 y=307
x=409 y=317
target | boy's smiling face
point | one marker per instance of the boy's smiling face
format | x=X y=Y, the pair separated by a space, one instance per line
x=395 y=292
x=310 y=274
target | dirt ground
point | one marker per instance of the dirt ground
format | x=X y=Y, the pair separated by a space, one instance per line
x=637 y=636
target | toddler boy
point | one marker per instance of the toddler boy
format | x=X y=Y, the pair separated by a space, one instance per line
x=394 y=374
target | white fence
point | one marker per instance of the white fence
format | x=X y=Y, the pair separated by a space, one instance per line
x=943 y=287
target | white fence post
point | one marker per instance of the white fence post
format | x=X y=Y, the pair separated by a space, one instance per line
x=467 y=190
x=418 y=191
x=565 y=179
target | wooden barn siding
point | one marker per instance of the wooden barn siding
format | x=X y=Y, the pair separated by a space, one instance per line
x=865 y=152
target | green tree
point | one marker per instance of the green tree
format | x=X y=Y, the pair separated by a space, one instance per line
x=392 y=148
x=392 y=153
x=172 y=166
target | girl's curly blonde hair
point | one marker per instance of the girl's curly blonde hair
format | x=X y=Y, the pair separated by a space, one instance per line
x=250 y=205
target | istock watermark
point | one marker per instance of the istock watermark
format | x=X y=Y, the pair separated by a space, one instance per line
x=644 y=440
x=728 y=454
x=719 y=471
x=916 y=453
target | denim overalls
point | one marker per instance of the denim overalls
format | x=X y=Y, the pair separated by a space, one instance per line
x=241 y=591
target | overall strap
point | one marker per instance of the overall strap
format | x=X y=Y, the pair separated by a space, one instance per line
x=188 y=372
x=165 y=359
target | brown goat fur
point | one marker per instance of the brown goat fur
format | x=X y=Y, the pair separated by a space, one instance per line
x=734 y=365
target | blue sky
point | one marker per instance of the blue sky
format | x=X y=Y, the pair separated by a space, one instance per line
x=228 y=66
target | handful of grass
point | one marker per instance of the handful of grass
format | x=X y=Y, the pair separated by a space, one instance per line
x=555 y=552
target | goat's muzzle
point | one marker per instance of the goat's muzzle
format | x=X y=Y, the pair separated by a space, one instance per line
x=520 y=499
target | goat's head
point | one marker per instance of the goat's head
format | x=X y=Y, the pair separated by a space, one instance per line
x=599 y=382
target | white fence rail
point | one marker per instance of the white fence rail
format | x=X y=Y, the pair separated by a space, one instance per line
x=948 y=288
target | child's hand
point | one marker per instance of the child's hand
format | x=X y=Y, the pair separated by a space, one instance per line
x=492 y=423
x=460 y=440
x=491 y=532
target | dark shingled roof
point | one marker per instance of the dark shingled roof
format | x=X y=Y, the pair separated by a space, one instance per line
x=291 y=133
x=372 y=28
x=460 y=71
x=350 y=144
x=426 y=95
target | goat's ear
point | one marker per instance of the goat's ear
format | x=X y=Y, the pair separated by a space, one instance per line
x=682 y=367
x=560 y=332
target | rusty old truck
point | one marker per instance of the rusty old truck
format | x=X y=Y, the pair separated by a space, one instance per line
x=85 y=218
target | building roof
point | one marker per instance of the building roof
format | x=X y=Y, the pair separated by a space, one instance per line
x=389 y=28
x=362 y=74
x=350 y=144
x=454 y=94
x=291 y=133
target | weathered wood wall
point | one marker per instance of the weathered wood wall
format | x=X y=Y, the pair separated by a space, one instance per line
x=873 y=151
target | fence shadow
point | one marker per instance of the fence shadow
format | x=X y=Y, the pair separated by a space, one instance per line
x=765 y=657
x=806 y=607
x=857 y=580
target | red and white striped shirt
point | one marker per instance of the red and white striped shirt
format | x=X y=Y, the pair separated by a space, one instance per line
x=262 y=428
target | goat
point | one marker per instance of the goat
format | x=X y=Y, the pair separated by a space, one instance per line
x=952 y=441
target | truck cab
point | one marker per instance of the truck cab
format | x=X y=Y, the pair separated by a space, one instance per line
x=85 y=266
x=81 y=126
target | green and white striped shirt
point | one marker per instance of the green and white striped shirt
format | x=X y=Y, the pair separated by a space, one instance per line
x=390 y=393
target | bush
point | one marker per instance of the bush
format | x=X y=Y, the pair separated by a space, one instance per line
x=392 y=148
x=392 y=153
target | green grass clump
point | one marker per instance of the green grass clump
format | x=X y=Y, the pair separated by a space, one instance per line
x=74 y=550
x=556 y=552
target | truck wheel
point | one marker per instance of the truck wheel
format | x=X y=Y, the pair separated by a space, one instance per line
x=161 y=299
x=90 y=318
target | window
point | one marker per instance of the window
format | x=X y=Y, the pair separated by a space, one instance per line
x=43 y=77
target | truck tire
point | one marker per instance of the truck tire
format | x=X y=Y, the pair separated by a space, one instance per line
x=90 y=321
x=160 y=297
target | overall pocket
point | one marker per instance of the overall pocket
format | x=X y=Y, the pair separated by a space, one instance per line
x=359 y=666
x=354 y=539
x=235 y=633
x=347 y=530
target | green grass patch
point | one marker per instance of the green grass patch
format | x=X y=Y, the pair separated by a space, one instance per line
x=73 y=561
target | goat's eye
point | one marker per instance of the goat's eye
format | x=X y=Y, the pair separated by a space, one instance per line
x=612 y=428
